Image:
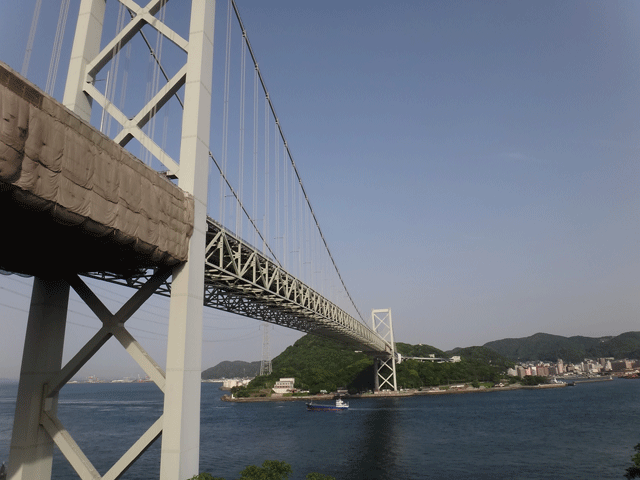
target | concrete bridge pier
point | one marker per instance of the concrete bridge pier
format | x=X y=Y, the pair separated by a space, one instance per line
x=31 y=446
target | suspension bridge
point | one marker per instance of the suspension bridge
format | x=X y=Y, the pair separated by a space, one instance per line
x=118 y=183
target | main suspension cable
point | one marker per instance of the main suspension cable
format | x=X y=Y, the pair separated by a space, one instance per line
x=288 y=151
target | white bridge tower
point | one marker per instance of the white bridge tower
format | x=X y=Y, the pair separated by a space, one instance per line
x=36 y=425
x=384 y=367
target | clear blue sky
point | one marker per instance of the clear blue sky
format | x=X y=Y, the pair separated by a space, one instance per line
x=474 y=165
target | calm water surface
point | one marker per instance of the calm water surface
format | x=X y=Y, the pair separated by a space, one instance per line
x=584 y=432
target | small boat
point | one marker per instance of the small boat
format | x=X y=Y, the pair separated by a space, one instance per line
x=340 y=405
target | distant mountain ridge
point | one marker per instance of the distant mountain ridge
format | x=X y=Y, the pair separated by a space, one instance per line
x=236 y=369
x=547 y=347
x=541 y=346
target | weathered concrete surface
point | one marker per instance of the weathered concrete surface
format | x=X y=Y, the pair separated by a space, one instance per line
x=73 y=200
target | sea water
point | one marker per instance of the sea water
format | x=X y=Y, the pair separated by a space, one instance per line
x=582 y=432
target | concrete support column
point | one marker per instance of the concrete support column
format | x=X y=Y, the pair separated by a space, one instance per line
x=31 y=451
x=376 y=379
x=180 y=453
x=31 y=447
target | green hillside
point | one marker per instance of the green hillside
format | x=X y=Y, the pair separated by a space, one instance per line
x=478 y=364
x=625 y=345
x=420 y=350
x=237 y=369
x=320 y=364
x=482 y=355
x=546 y=347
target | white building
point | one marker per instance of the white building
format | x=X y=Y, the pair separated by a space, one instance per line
x=284 y=385
x=235 y=382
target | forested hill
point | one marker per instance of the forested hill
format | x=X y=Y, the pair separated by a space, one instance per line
x=482 y=355
x=421 y=350
x=321 y=364
x=546 y=347
x=237 y=369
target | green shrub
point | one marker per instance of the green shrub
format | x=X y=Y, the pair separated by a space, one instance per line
x=270 y=470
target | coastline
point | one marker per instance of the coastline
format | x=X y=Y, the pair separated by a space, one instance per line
x=389 y=394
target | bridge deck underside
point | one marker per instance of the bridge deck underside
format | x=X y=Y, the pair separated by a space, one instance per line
x=74 y=201
x=35 y=243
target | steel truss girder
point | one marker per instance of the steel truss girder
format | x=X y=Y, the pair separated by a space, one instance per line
x=239 y=279
x=112 y=325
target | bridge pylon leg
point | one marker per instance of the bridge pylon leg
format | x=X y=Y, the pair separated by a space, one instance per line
x=384 y=367
x=180 y=454
x=31 y=446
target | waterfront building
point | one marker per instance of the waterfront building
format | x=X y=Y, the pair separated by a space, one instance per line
x=284 y=385
x=542 y=371
x=229 y=383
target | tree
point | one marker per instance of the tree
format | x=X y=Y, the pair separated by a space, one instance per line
x=270 y=470
x=634 y=471
x=205 y=476
x=532 y=380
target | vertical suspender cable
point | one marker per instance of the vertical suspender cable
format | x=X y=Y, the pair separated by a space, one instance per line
x=276 y=143
x=255 y=154
x=266 y=174
x=155 y=79
x=57 y=47
x=303 y=237
x=285 y=206
x=243 y=68
x=225 y=116
x=32 y=37
x=295 y=169
x=166 y=109
x=295 y=248
x=223 y=177
x=112 y=74
x=125 y=79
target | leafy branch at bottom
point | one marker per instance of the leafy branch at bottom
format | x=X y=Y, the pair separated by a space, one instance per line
x=634 y=470
x=270 y=470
